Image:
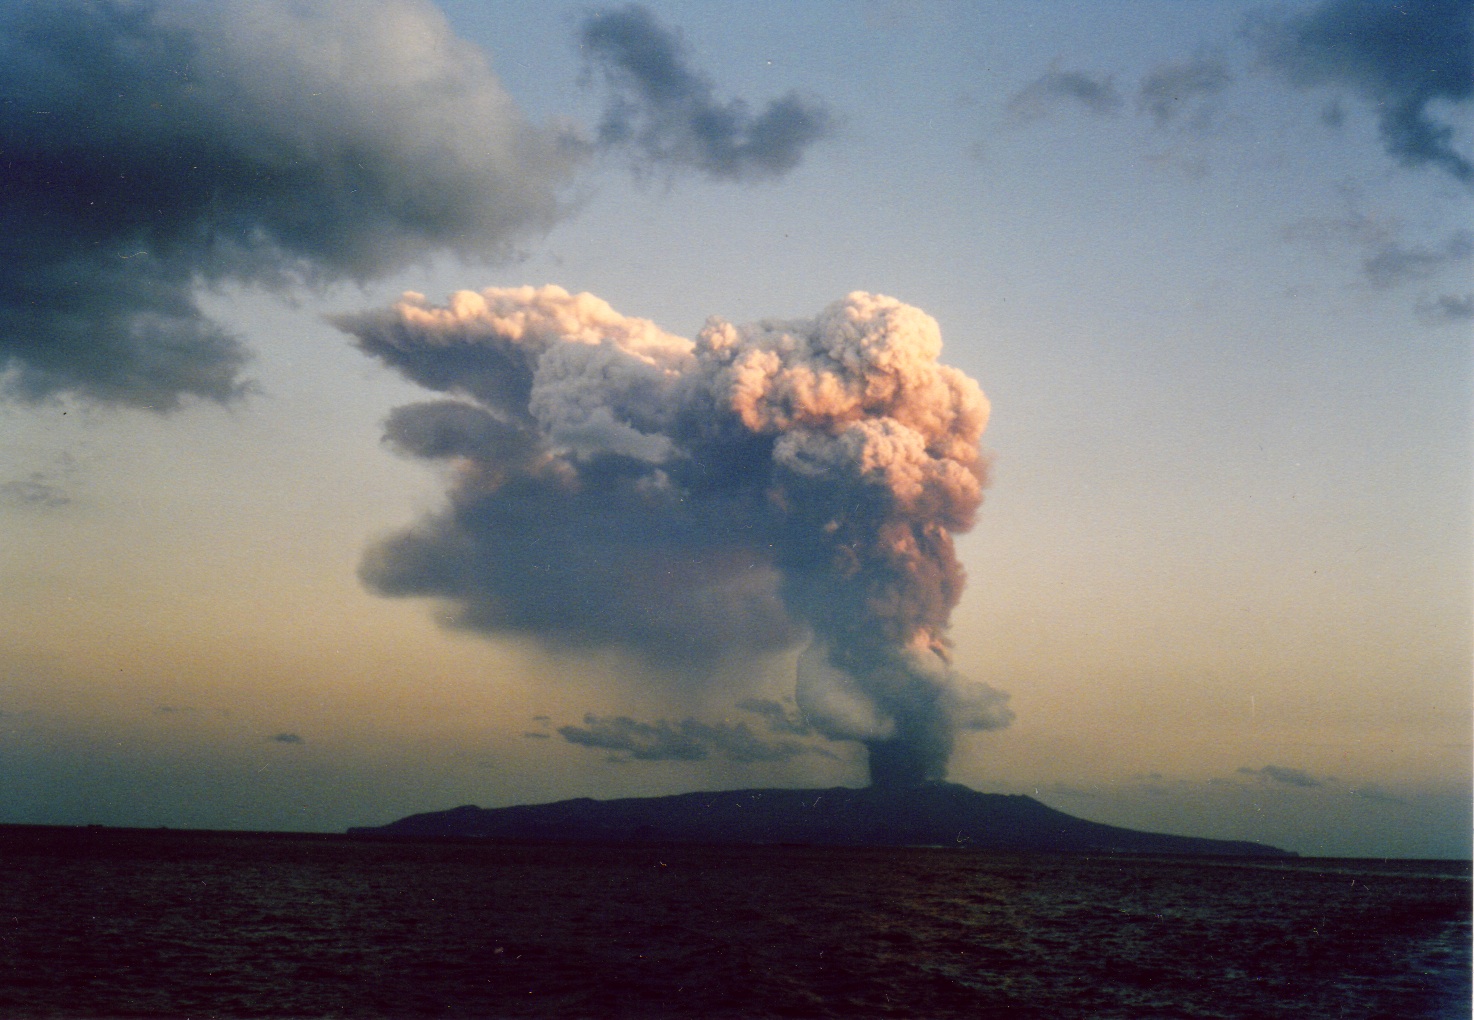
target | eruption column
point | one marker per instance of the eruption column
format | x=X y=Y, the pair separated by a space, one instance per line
x=618 y=485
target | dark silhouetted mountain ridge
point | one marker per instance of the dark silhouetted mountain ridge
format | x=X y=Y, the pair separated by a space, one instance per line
x=932 y=814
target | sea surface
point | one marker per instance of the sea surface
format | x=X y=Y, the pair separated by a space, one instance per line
x=129 y=923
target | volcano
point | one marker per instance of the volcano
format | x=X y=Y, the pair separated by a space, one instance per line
x=928 y=814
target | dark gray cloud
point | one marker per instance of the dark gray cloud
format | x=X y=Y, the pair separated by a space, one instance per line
x=1285 y=775
x=286 y=738
x=153 y=146
x=1403 y=59
x=665 y=110
x=1178 y=91
x=600 y=555
x=694 y=502
x=1386 y=261
x=1391 y=264
x=1054 y=89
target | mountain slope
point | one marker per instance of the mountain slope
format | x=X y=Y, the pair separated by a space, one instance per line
x=934 y=814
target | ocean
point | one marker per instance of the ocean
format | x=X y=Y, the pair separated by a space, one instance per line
x=102 y=923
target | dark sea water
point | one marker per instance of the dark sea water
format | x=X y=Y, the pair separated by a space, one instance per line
x=118 y=923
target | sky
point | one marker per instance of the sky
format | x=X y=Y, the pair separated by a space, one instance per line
x=412 y=405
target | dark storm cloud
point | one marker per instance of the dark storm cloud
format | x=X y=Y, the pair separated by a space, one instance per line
x=286 y=738
x=1403 y=59
x=1392 y=264
x=1282 y=774
x=152 y=146
x=686 y=740
x=1054 y=89
x=665 y=110
x=694 y=502
x=593 y=558
x=1169 y=92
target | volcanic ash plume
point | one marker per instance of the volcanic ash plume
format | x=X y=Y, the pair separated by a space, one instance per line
x=615 y=485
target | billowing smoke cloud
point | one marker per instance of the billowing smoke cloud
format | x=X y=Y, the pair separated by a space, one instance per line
x=150 y=146
x=1404 y=59
x=1044 y=94
x=615 y=485
x=666 y=110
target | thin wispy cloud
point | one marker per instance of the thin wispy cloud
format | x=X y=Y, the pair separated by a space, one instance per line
x=1179 y=93
x=1055 y=90
x=36 y=490
x=1284 y=775
x=1376 y=794
x=1392 y=264
x=1172 y=93
x=665 y=110
x=1408 y=62
x=684 y=740
x=1447 y=308
x=1355 y=229
x=777 y=716
x=1386 y=261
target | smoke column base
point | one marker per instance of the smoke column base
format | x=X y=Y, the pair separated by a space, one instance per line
x=895 y=763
